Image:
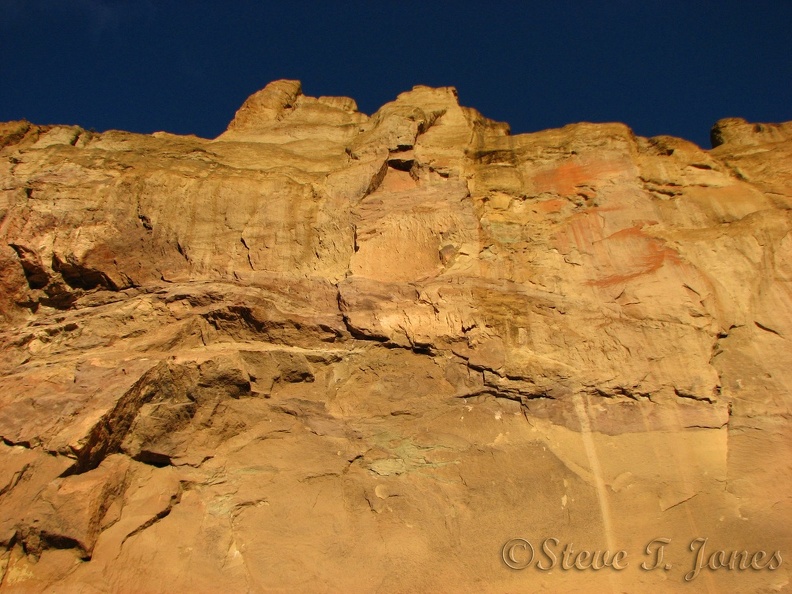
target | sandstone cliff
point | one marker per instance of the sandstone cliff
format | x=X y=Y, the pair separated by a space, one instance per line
x=333 y=352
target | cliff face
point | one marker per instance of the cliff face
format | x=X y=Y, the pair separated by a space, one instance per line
x=333 y=352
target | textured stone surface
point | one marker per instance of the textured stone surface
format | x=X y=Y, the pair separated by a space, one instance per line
x=333 y=352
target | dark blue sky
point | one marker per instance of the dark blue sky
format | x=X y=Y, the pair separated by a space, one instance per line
x=185 y=66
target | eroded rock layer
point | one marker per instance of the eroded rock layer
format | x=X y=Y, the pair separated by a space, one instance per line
x=333 y=352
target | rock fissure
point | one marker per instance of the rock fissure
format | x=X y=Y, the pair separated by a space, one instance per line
x=174 y=500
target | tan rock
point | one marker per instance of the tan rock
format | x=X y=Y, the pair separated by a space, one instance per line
x=332 y=352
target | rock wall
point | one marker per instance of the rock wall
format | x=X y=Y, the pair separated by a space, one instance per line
x=333 y=352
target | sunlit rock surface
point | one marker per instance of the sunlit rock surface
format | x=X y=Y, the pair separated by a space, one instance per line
x=328 y=352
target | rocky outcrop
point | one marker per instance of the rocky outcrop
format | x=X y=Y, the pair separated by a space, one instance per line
x=333 y=352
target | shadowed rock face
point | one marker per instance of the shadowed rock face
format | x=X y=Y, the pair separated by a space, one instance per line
x=333 y=352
